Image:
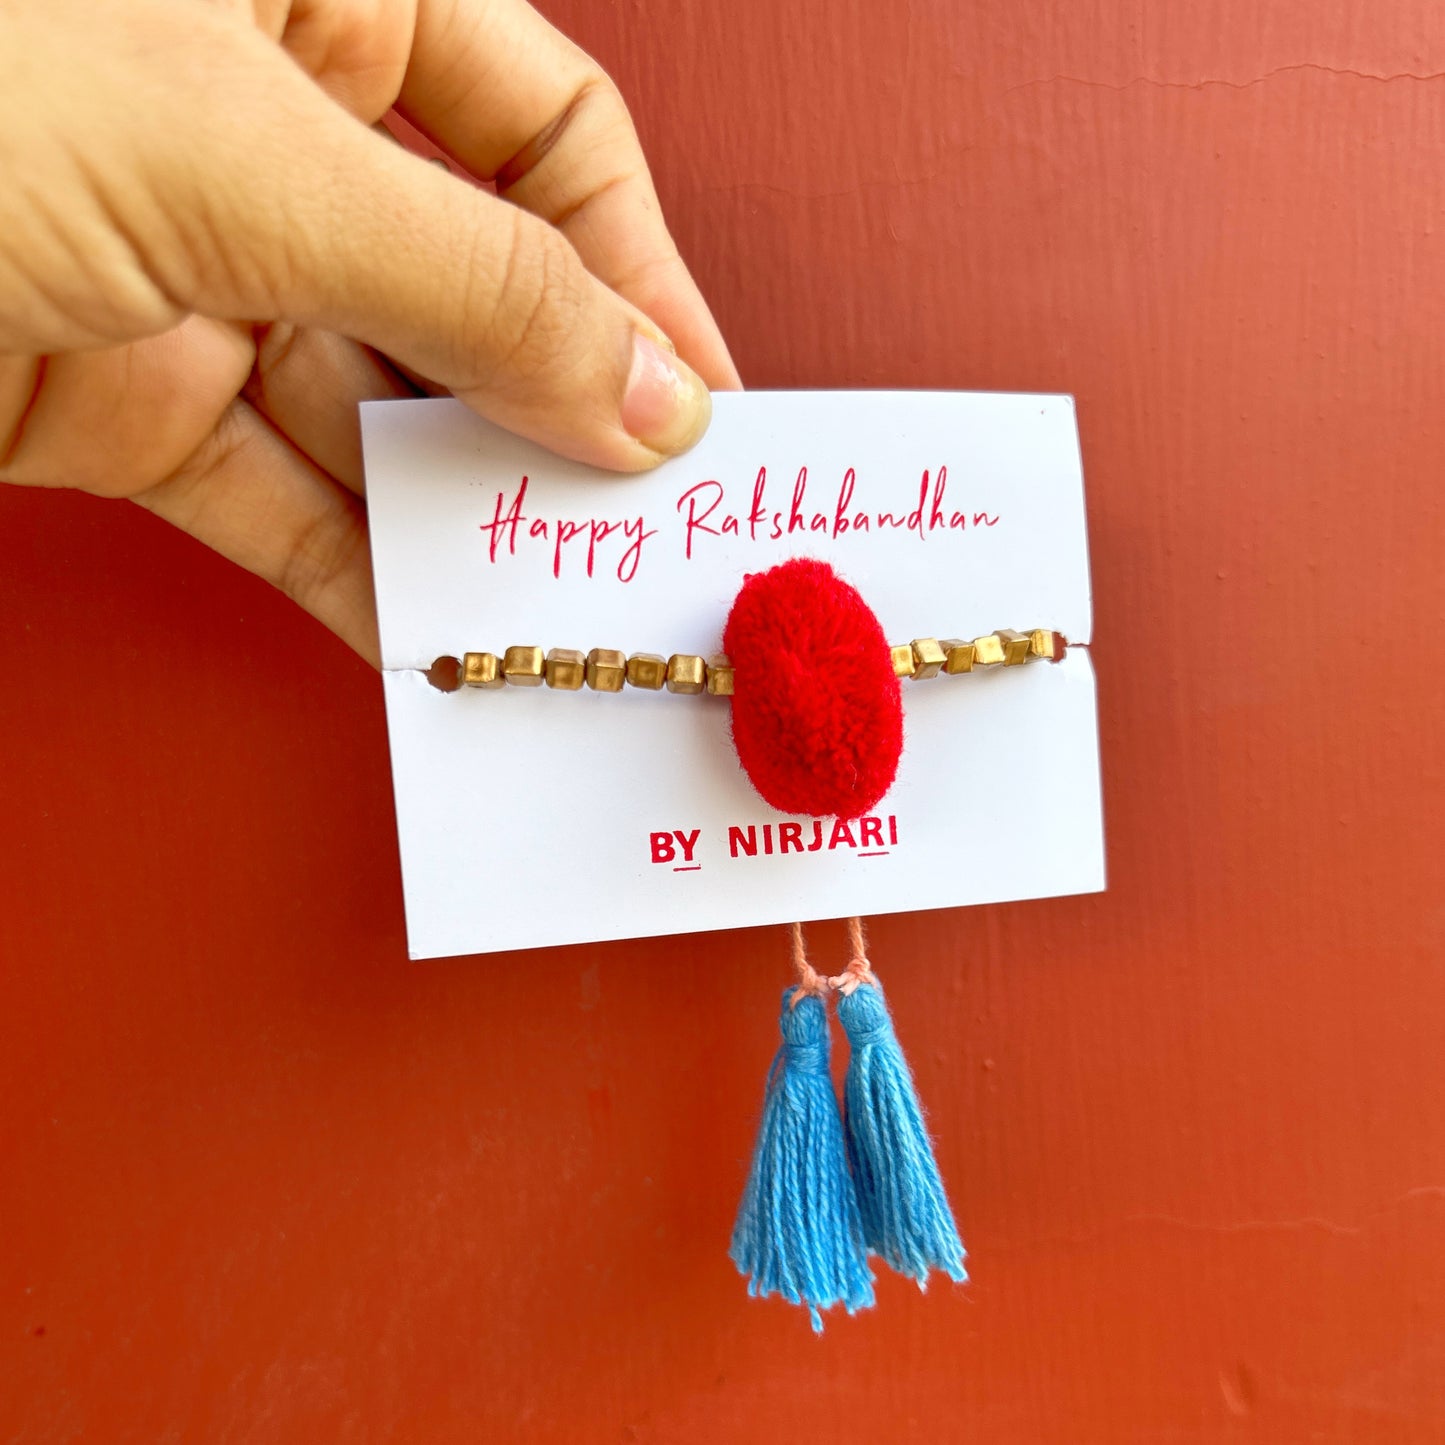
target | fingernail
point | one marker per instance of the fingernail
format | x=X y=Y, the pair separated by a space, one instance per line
x=666 y=406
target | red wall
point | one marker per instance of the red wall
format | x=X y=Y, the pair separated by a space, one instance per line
x=264 y=1179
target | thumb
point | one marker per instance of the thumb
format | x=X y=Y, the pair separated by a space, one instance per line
x=324 y=223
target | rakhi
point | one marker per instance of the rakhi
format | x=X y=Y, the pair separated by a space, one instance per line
x=817 y=722
x=814 y=685
x=605 y=670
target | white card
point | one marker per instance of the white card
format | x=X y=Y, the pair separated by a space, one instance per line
x=530 y=817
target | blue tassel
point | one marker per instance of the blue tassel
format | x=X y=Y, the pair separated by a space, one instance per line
x=906 y=1218
x=798 y=1232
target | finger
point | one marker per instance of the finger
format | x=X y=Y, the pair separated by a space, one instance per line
x=21 y=378
x=516 y=102
x=355 y=50
x=112 y=421
x=308 y=385
x=255 y=499
x=351 y=234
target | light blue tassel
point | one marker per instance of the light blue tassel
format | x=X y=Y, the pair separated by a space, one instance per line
x=798 y=1232
x=906 y=1218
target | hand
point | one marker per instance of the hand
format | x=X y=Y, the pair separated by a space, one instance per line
x=208 y=257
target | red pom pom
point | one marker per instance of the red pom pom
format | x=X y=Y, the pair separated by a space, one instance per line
x=817 y=714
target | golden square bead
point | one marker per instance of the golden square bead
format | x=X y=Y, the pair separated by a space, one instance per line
x=720 y=675
x=927 y=658
x=957 y=656
x=524 y=666
x=988 y=650
x=482 y=669
x=686 y=672
x=646 y=669
x=902 y=660
x=1044 y=642
x=1015 y=646
x=606 y=670
x=566 y=669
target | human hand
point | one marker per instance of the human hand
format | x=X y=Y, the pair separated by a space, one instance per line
x=208 y=257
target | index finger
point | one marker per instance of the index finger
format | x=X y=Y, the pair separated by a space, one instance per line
x=516 y=102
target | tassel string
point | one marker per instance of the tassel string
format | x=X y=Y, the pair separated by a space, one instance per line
x=825 y=1190
x=906 y=1216
x=798 y=1232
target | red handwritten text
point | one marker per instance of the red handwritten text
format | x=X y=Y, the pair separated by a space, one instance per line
x=509 y=522
x=703 y=514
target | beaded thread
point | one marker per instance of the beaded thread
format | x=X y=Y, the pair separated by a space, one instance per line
x=691 y=674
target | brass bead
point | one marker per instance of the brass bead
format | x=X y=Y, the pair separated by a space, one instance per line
x=720 y=675
x=957 y=656
x=565 y=669
x=927 y=658
x=524 y=666
x=606 y=670
x=988 y=650
x=1015 y=646
x=646 y=669
x=1044 y=642
x=482 y=669
x=686 y=672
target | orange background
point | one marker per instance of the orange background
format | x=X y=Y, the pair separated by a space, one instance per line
x=263 y=1179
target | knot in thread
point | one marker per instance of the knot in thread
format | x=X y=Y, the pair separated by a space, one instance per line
x=865 y=1016
x=857 y=971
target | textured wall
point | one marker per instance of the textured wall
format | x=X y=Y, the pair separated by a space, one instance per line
x=263 y=1179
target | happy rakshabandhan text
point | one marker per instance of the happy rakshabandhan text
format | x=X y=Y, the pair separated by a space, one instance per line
x=589 y=542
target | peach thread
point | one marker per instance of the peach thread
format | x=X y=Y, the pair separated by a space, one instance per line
x=811 y=983
x=857 y=970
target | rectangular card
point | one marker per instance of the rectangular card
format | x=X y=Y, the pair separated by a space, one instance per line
x=529 y=816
